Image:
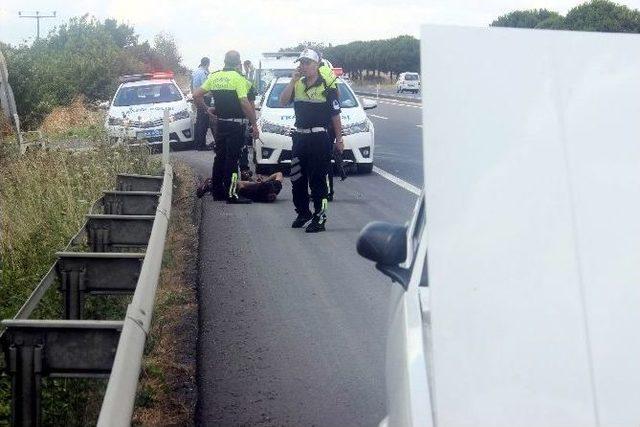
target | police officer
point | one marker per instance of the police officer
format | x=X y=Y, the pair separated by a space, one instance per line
x=202 y=118
x=316 y=106
x=234 y=111
x=329 y=77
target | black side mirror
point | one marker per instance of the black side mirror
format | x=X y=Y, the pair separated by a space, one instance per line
x=386 y=245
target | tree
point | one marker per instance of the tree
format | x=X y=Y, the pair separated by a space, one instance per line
x=81 y=57
x=165 y=53
x=603 y=15
x=525 y=18
x=596 y=15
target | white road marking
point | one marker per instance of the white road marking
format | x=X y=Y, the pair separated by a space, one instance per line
x=399 y=182
x=401 y=104
x=419 y=126
x=378 y=117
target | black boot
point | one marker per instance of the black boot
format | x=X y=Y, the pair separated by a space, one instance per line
x=316 y=225
x=238 y=200
x=301 y=220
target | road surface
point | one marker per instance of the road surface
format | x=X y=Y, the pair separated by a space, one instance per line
x=293 y=325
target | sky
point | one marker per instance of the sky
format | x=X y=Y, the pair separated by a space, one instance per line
x=210 y=28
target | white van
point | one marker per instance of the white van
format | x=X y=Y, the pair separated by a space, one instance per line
x=528 y=315
x=408 y=82
x=272 y=65
x=273 y=150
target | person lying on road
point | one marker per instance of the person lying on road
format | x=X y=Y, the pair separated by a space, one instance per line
x=263 y=190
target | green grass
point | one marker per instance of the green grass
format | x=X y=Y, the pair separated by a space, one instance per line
x=44 y=196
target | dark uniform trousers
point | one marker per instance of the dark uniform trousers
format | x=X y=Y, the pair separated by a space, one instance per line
x=202 y=124
x=229 y=142
x=310 y=163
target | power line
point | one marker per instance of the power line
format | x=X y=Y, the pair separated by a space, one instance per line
x=37 y=17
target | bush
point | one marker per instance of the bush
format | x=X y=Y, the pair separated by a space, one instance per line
x=83 y=57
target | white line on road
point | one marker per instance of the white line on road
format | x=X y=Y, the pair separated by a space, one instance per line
x=419 y=126
x=401 y=104
x=378 y=117
x=399 y=182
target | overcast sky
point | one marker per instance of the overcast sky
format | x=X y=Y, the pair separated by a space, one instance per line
x=209 y=28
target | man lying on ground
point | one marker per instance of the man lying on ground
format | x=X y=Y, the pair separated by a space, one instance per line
x=263 y=190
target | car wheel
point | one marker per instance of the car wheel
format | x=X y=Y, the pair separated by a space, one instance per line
x=365 y=168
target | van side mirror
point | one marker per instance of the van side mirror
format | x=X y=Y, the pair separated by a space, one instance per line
x=368 y=104
x=386 y=245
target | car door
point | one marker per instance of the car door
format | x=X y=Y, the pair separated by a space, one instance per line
x=408 y=392
x=400 y=252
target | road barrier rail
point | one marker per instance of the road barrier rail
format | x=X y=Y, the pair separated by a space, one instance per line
x=122 y=242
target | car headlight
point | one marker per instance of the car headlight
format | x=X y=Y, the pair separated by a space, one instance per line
x=268 y=127
x=183 y=114
x=116 y=121
x=356 y=128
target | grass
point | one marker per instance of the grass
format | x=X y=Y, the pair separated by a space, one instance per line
x=44 y=196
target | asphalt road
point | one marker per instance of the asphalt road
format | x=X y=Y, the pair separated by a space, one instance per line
x=292 y=325
x=398 y=150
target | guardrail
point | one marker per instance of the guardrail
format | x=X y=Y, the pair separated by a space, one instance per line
x=133 y=218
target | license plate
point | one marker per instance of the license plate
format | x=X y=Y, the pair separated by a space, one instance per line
x=149 y=133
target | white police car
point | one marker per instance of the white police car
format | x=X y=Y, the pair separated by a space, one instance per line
x=136 y=112
x=273 y=149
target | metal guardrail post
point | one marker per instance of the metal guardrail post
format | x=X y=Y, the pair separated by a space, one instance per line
x=117 y=406
x=53 y=348
x=165 y=137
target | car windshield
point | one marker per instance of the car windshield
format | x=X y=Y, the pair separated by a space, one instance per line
x=264 y=77
x=411 y=77
x=347 y=100
x=147 y=94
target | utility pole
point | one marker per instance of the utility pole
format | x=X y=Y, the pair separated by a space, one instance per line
x=37 y=17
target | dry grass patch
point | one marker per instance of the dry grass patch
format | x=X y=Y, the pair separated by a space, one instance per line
x=75 y=115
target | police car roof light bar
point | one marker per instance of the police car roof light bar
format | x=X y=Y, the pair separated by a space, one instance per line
x=146 y=76
x=162 y=75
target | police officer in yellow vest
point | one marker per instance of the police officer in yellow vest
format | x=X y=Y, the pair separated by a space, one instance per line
x=232 y=94
x=317 y=106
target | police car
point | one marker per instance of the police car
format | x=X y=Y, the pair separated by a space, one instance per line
x=273 y=149
x=136 y=112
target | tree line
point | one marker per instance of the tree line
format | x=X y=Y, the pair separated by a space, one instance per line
x=596 y=15
x=400 y=54
x=360 y=58
x=82 y=57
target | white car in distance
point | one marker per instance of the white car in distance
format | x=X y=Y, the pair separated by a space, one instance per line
x=136 y=112
x=276 y=123
x=408 y=82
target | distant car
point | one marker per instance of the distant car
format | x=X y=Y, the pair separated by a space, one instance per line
x=408 y=82
x=136 y=112
x=276 y=123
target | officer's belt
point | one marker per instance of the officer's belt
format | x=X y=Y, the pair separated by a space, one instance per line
x=238 y=120
x=311 y=130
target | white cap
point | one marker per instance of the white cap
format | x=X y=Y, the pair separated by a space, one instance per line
x=309 y=54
